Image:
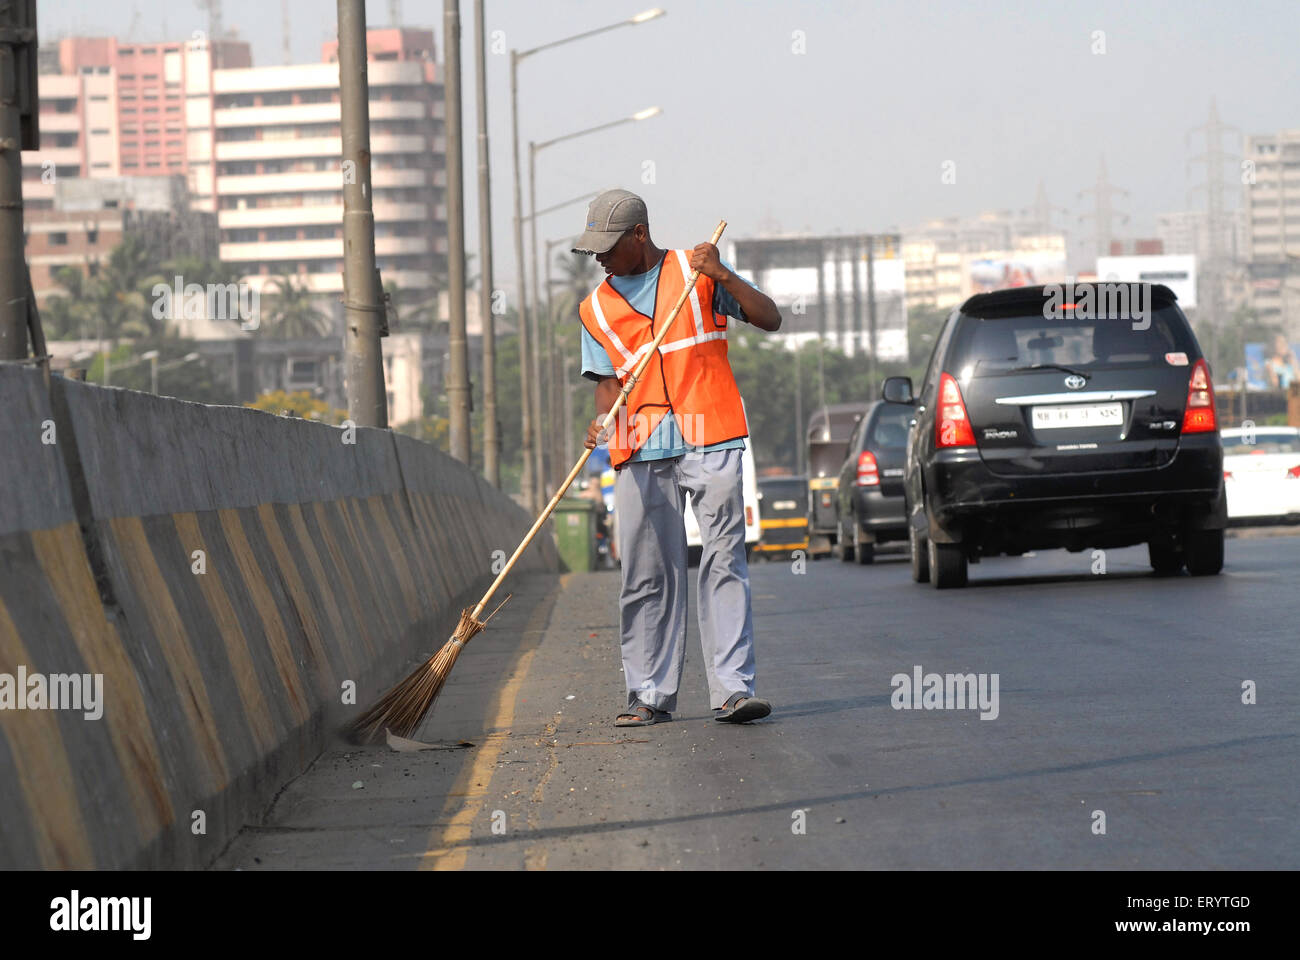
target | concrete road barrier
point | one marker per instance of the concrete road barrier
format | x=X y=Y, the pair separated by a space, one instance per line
x=243 y=583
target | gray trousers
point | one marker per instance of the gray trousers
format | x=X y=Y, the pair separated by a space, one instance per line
x=650 y=500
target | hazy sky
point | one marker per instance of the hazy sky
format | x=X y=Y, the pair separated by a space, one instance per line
x=849 y=136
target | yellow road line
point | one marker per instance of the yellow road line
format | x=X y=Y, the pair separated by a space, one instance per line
x=449 y=851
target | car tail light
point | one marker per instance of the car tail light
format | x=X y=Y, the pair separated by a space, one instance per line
x=1199 y=415
x=1294 y=473
x=749 y=516
x=868 y=474
x=952 y=427
x=1227 y=474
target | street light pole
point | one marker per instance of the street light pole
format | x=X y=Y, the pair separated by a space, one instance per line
x=527 y=485
x=529 y=482
x=491 y=444
x=539 y=438
x=546 y=458
x=557 y=393
x=458 y=398
x=17 y=49
x=367 y=399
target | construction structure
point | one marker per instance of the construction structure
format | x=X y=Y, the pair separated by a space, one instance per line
x=846 y=290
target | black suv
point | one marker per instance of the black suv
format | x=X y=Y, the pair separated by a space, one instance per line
x=1063 y=416
x=869 y=496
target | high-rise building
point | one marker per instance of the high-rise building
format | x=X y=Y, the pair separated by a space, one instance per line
x=1188 y=231
x=279 y=183
x=92 y=215
x=259 y=146
x=133 y=109
x=1272 y=205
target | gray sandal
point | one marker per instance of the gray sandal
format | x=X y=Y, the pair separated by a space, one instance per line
x=742 y=708
x=642 y=715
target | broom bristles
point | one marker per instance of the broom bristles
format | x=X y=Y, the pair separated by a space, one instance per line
x=402 y=708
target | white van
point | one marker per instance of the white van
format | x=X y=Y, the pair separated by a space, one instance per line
x=749 y=487
x=749 y=490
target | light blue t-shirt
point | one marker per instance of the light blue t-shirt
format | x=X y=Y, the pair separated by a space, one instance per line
x=639 y=290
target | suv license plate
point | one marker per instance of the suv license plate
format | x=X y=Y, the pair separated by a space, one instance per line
x=1078 y=415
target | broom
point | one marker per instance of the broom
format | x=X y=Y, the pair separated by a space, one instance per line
x=403 y=708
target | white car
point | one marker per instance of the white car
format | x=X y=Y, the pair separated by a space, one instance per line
x=749 y=489
x=1261 y=474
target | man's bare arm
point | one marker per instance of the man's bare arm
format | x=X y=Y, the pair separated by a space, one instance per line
x=760 y=310
x=607 y=391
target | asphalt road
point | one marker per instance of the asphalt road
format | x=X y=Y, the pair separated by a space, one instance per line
x=1119 y=695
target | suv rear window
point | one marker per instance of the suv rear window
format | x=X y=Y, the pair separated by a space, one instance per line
x=890 y=428
x=993 y=345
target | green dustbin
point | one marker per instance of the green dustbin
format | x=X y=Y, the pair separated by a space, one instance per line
x=575 y=531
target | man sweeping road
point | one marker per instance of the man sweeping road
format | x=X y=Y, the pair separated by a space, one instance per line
x=682 y=431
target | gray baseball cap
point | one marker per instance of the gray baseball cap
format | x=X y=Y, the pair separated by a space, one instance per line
x=610 y=216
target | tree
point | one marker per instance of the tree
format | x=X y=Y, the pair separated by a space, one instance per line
x=70 y=316
x=124 y=285
x=292 y=312
x=178 y=376
x=115 y=299
x=300 y=404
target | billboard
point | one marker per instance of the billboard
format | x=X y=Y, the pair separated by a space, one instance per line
x=1272 y=366
x=984 y=273
x=820 y=283
x=1175 y=271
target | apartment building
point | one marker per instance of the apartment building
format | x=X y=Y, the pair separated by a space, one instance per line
x=135 y=109
x=1188 y=231
x=1272 y=205
x=259 y=146
x=279 y=184
x=88 y=217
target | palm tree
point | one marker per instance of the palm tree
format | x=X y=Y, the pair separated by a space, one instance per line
x=292 y=312
x=579 y=275
x=124 y=285
x=70 y=316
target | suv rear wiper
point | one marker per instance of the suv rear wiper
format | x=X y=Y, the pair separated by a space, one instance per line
x=1053 y=366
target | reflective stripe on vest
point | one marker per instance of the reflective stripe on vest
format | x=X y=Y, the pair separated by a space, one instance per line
x=696 y=386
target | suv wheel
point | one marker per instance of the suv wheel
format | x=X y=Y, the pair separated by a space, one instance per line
x=864 y=552
x=920 y=556
x=1204 y=552
x=1166 y=559
x=947 y=564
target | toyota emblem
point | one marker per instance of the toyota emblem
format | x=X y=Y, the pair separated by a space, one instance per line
x=1075 y=382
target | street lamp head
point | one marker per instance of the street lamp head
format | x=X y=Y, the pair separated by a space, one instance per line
x=647 y=113
x=149 y=355
x=190 y=357
x=650 y=14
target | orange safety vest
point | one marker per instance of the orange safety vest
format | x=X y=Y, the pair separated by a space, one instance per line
x=689 y=377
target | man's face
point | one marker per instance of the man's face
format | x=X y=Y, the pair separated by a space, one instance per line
x=625 y=256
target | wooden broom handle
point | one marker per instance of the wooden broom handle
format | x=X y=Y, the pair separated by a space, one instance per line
x=628 y=384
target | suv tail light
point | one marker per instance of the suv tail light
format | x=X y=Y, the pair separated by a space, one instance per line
x=1294 y=473
x=868 y=474
x=952 y=427
x=1199 y=416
